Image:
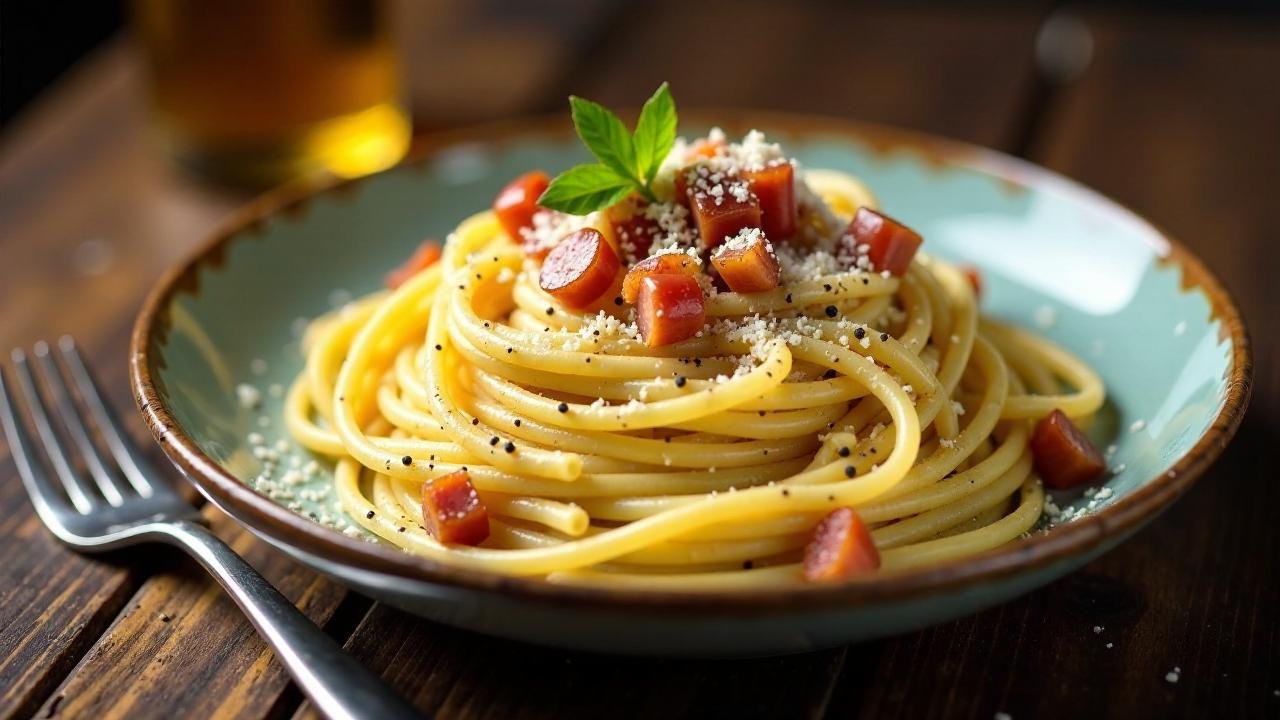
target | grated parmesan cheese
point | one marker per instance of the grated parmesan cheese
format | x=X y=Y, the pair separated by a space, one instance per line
x=550 y=226
x=746 y=238
x=248 y=396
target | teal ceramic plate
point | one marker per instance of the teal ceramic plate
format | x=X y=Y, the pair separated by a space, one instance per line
x=1055 y=256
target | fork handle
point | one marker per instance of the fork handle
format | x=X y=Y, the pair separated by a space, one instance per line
x=341 y=687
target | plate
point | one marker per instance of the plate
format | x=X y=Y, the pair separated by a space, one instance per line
x=1055 y=257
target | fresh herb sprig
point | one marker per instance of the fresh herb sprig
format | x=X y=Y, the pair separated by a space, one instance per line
x=627 y=162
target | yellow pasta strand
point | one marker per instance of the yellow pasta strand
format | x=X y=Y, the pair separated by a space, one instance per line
x=701 y=465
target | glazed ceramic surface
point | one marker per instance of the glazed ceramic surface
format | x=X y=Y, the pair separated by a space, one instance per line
x=1055 y=258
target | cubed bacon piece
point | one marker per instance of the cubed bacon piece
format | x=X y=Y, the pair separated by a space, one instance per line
x=775 y=187
x=669 y=308
x=891 y=245
x=580 y=269
x=746 y=263
x=1063 y=455
x=717 y=282
x=723 y=211
x=682 y=184
x=452 y=511
x=841 y=548
x=424 y=257
x=974 y=276
x=633 y=229
x=518 y=201
x=667 y=263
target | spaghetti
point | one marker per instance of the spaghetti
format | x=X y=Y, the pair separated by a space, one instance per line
x=705 y=463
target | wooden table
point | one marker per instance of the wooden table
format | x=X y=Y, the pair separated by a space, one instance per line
x=1175 y=116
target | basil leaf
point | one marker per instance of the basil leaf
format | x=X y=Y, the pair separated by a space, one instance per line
x=655 y=132
x=605 y=136
x=585 y=188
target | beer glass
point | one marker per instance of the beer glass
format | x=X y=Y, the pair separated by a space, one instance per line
x=258 y=92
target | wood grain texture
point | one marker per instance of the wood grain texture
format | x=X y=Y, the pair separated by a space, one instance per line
x=53 y=604
x=182 y=647
x=457 y=674
x=89 y=216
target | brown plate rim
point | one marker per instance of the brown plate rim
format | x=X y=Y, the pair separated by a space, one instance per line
x=1040 y=550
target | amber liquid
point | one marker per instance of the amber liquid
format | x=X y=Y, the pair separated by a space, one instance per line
x=258 y=92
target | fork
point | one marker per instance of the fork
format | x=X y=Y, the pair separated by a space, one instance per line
x=100 y=513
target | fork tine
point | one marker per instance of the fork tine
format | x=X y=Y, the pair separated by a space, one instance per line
x=69 y=415
x=130 y=460
x=76 y=493
x=48 y=502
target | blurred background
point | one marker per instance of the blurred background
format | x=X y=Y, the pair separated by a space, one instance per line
x=250 y=94
x=130 y=131
x=220 y=77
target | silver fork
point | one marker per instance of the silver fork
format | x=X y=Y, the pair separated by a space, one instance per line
x=100 y=513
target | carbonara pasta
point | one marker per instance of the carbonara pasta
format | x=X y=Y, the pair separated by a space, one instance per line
x=598 y=455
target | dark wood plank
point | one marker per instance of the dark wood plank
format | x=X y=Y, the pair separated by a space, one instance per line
x=53 y=604
x=181 y=648
x=79 y=248
x=457 y=674
x=972 y=86
x=1171 y=118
